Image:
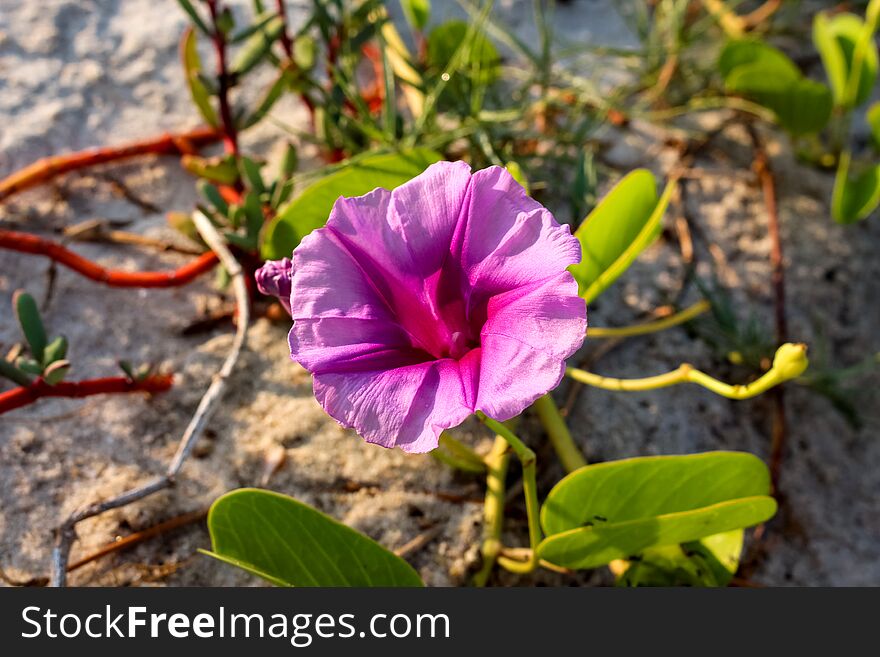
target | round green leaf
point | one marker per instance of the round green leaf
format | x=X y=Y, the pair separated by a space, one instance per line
x=748 y=52
x=311 y=208
x=291 y=544
x=619 y=509
x=802 y=106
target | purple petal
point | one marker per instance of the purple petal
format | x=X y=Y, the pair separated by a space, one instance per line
x=406 y=407
x=510 y=239
x=528 y=334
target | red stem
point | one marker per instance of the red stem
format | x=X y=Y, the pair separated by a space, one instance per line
x=230 y=133
x=27 y=243
x=18 y=397
x=47 y=168
x=287 y=46
x=777 y=264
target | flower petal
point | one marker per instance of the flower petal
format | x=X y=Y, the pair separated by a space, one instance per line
x=528 y=334
x=510 y=239
x=405 y=407
x=548 y=315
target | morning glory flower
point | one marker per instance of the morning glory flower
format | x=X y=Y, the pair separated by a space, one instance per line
x=415 y=308
x=273 y=279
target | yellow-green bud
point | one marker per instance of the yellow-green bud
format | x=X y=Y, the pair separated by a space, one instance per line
x=790 y=360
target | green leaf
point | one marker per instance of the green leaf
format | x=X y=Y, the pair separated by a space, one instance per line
x=56 y=372
x=711 y=561
x=186 y=5
x=213 y=196
x=873 y=118
x=835 y=37
x=191 y=68
x=220 y=170
x=253 y=214
x=260 y=20
x=55 y=350
x=251 y=171
x=289 y=162
x=256 y=47
x=720 y=552
x=765 y=75
x=619 y=228
x=29 y=366
x=304 y=52
x=416 y=12
x=273 y=93
x=311 y=208
x=289 y=543
x=619 y=509
x=748 y=52
x=31 y=325
x=853 y=199
x=10 y=371
x=128 y=368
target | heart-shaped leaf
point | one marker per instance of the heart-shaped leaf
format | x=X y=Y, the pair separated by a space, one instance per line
x=765 y=75
x=619 y=228
x=619 y=509
x=291 y=544
x=310 y=209
x=749 y=52
x=835 y=37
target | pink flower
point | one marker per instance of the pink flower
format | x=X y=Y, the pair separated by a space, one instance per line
x=417 y=307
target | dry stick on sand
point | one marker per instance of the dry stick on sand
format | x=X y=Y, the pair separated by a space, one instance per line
x=47 y=168
x=66 y=533
x=126 y=542
x=768 y=187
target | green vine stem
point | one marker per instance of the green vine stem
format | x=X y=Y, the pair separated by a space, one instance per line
x=530 y=491
x=789 y=363
x=496 y=462
x=557 y=431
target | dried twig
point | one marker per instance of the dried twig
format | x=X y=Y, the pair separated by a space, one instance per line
x=124 y=543
x=66 y=533
x=27 y=243
x=48 y=168
x=24 y=395
x=418 y=542
x=97 y=230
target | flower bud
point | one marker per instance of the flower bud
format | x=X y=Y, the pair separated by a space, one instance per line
x=790 y=360
x=273 y=279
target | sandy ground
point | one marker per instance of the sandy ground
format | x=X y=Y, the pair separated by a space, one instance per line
x=77 y=74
